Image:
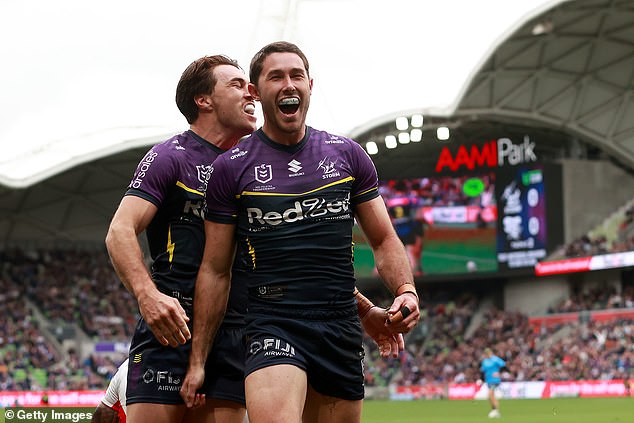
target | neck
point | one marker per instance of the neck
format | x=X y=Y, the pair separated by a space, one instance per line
x=284 y=137
x=216 y=135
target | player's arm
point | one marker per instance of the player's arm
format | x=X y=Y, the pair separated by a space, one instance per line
x=210 y=302
x=163 y=314
x=390 y=257
x=373 y=317
x=104 y=414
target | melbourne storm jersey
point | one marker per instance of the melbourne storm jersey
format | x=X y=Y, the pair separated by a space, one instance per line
x=293 y=207
x=173 y=176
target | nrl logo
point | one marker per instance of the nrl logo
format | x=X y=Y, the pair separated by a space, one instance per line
x=263 y=173
x=204 y=172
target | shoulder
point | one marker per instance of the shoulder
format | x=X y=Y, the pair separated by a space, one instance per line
x=167 y=151
x=327 y=138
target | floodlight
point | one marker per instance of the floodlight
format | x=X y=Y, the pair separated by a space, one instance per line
x=416 y=135
x=417 y=121
x=442 y=133
x=371 y=147
x=401 y=123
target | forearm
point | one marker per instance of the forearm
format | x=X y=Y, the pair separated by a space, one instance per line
x=393 y=265
x=127 y=259
x=104 y=414
x=210 y=303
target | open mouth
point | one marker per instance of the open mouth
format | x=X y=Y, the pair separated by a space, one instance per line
x=289 y=105
x=249 y=108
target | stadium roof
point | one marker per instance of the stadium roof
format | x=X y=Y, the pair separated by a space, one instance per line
x=91 y=87
x=82 y=80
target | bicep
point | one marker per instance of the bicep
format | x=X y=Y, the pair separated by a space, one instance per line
x=374 y=220
x=134 y=212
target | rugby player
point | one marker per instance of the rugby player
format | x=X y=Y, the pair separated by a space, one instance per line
x=284 y=203
x=111 y=409
x=490 y=368
x=165 y=199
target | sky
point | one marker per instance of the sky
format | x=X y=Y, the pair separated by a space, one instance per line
x=79 y=77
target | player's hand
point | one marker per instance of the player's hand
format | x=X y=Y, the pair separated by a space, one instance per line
x=193 y=381
x=388 y=342
x=404 y=314
x=165 y=317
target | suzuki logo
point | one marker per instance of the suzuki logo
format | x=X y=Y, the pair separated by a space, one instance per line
x=294 y=166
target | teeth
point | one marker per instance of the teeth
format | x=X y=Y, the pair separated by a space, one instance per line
x=249 y=108
x=291 y=101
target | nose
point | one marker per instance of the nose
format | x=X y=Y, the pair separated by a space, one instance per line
x=288 y=83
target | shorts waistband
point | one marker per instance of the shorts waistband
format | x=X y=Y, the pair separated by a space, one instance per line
x=307 y=313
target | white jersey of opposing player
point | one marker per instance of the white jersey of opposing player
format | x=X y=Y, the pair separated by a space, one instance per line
x=117 y=387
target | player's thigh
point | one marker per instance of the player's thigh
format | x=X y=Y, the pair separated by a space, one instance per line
x=321 y=408
x=154 y=413
x=216 y=411
x=276 y=394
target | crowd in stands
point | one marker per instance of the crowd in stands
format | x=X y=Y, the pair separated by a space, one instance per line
x=80 y=287
x=587 y=245
x=589 y=350
x=596 y=299
x=69 y=287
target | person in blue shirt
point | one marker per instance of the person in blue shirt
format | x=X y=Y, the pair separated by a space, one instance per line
x=490 y=368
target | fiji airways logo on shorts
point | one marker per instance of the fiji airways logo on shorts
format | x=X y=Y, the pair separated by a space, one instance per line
x=328 y=167
x=272 y=347
x=165 y=379
x=294 y=167
x=263 y=173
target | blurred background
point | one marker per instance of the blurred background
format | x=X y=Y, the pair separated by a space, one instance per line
x=503 y=135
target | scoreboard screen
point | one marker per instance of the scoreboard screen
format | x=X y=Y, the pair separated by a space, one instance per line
x=457 y=223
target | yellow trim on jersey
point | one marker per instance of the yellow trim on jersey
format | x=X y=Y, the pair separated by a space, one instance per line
x=251 y=253
x=278 y=194
x=186 y=188
x=170 y=244
x=365 y=192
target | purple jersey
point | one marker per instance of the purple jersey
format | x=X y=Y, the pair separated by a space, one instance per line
x=173 y=176
x=294 y=211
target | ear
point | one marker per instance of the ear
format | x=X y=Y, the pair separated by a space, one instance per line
x=203 y=101
x=253 y=90
x=310 y=85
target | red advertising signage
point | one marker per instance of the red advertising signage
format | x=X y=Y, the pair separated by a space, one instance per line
x=494 y=153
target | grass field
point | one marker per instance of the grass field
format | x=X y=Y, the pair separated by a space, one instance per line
x=560 y=410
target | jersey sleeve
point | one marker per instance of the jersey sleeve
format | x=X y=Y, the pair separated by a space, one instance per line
x=116 y=392
x=153 y=175
x=366 y=181
x=221 y=196
x=112 y=393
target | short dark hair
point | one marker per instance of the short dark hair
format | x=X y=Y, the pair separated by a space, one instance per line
x=277 y=47
x=198 y=79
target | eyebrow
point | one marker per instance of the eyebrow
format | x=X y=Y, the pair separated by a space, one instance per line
x=238 y=79
x=292 y=70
